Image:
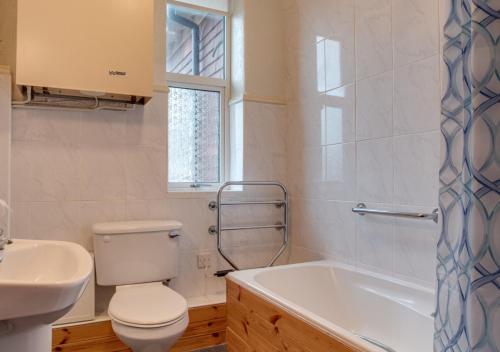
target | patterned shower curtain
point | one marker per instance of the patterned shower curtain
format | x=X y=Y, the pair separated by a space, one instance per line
x=468 y=271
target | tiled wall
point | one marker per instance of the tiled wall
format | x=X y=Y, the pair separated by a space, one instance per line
x=363 y=118
x=72 y=169
x=361 y=124
x=257 y=148
x=265 y=141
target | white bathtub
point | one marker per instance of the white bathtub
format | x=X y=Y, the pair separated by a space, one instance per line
x=348 y=303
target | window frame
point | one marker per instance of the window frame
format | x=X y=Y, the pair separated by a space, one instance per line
x=190 y=186
x=222 y=86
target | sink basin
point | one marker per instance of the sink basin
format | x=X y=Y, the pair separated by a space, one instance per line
x=39 y=282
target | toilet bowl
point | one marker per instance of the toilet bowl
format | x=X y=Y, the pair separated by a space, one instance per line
x=136 y=257
x=148 y=317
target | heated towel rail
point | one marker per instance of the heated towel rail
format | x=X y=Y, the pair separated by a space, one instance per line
x=361 y=209
x=218 y=229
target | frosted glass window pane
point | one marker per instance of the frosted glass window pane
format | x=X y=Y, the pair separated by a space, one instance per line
x=196 y=42
x=193 y=136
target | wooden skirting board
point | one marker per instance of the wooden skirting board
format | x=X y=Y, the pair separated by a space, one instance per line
x=257 y=325
x=207 y=327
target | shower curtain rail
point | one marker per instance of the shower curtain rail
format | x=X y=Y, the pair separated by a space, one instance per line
x=361 y=209
x=218 y=229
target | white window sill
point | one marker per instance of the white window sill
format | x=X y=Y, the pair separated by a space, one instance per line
x=192 y=193
x=204 y=192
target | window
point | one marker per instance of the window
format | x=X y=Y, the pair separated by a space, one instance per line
x=194 y=136
x=197 y=79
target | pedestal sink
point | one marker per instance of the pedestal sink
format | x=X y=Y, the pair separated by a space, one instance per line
x=39 y=282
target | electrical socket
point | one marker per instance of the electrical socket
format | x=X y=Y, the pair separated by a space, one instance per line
x=204 y=261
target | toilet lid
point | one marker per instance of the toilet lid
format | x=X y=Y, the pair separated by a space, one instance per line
x=147 y=305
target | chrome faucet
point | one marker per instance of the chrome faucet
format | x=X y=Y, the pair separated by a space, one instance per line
x=4 y=238
x=3 y=242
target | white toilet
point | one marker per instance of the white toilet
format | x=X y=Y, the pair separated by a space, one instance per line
x=136 y=256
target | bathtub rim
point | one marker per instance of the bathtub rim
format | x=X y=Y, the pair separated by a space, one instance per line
x=246 y=279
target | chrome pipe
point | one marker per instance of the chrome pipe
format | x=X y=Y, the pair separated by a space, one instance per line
x=236 y=228
x=361 y=209
x=278 y=203
x=271 y=202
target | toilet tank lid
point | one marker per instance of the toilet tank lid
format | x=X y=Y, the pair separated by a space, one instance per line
x=121 y=227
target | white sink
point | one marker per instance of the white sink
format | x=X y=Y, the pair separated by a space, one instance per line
x=39 y=282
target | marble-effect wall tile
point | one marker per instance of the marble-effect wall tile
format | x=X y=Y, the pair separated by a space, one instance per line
x=62 y=127
x=374 y=107
x=98 y=129
x=415 y=247
x=146 y=173
x=56 y=221
x=375 y=238
x=373 y=37
x=264 y=152
x=416 y=97
x=338 y=124
x=416 y=166
x=415 y=29
x=375 y=160
x=102 y=172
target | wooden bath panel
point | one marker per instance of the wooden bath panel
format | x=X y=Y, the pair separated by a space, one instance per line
x=207 y=327
x=257 y=325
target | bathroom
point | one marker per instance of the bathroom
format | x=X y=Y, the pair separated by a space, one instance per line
x=277 y=175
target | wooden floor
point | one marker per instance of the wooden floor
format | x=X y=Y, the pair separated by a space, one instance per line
x=207 y=327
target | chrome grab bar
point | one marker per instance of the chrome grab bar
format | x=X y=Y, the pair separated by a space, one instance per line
x=361 y=209
x=218 y=229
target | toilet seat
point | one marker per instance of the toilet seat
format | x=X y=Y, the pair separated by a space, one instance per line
x=147 y=306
